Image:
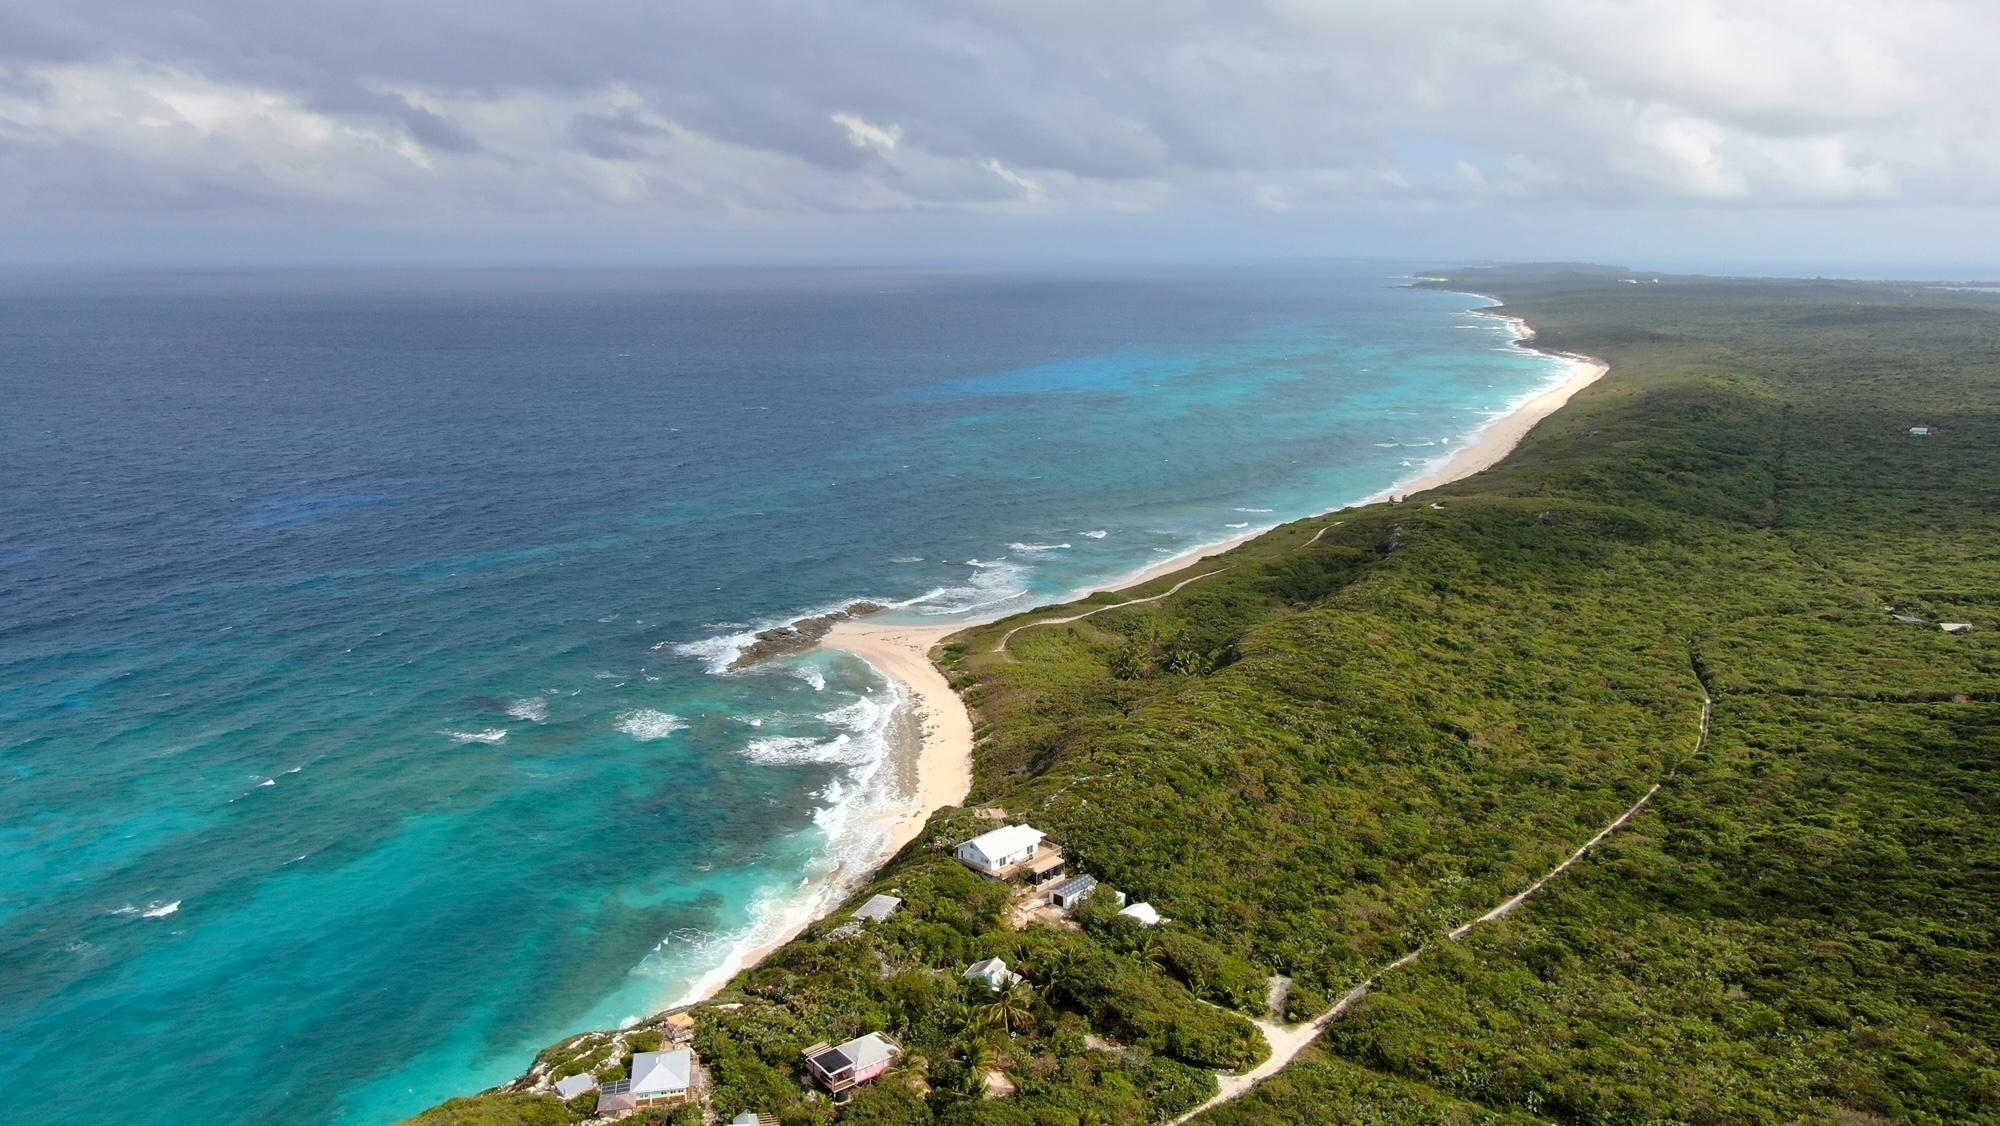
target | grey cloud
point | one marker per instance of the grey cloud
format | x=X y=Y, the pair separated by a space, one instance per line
x=612 y=136
x=1011 y=111
x=434 y=132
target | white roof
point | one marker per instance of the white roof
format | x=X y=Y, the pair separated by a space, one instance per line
x=656 y=1073
x=991 y=967
x=570 y=1086
x=1005 y=841
x=867 y=1051
x=878 y=907
x=747 y=1118
x=1144 y=913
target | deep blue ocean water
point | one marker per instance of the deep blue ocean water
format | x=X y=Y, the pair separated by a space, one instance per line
x=360 y=731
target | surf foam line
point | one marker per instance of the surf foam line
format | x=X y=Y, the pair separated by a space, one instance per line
x=861 y=805
x=852 y=825
x=993 y=582
x=1563 y=367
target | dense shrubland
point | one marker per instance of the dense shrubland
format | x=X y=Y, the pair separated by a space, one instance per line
x=1371 y=727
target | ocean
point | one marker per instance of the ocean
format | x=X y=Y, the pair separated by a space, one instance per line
x=364 y=716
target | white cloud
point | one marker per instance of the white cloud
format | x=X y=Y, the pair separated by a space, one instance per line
x=865 y=134
x=1195 y=110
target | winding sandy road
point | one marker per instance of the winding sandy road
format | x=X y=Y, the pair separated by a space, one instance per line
x=1287 y=1041
x=1169 y=593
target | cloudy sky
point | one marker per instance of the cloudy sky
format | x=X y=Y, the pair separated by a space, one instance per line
x=1669 y=131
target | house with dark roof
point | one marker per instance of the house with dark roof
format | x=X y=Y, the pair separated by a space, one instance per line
x=1071 y=893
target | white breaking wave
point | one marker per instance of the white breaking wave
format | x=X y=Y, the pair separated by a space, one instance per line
x=1244 y=524
x=490 y=735
x=1096 y=535
x=853 y=824
x=801 y=750
x=1037 y=548
x=534 y=709
x=268 y=782
x=160 y=910
x=994 y=581
x=1252 y=510
x=811 y=676
x=907 y=559
x=716 y=654
x=646 y=724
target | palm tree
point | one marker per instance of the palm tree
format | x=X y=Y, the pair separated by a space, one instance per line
x=1062 y=971
x=978 y=1054
x=1146 y=948
x=1013 y=1009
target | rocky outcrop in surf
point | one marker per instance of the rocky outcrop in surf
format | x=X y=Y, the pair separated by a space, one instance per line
x=799 y=636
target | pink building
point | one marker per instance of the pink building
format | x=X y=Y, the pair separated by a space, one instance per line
x=860 y=1060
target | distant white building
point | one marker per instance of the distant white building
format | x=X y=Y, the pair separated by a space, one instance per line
x=1920 y=431
x=879 y=908
x=1144 y=913
x=1955 y=627
x=993 y=973
x=996 y=852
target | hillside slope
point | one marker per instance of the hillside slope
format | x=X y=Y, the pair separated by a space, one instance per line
x=1366 y=729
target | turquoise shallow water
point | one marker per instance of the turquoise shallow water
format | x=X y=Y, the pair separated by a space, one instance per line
x=360 y=728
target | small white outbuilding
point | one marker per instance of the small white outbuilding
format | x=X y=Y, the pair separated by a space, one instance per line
x=879 y=908
x=570 y=1086
x=1143 y=912
x=993 y=973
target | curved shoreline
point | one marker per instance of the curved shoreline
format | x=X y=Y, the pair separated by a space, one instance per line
x=901 y=651
x=936 y=764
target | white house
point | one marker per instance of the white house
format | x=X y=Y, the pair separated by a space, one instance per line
x=1144 y=913
x=993 y=853
x=1955 y=627
x=1920 y=431
x=660 y=1078
x=993 y=972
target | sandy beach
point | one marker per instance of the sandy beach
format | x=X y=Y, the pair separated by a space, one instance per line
x=943 y=726
x=902 y=651
x=940 y=774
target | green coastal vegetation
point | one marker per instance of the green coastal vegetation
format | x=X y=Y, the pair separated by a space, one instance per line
x=1363 y=730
